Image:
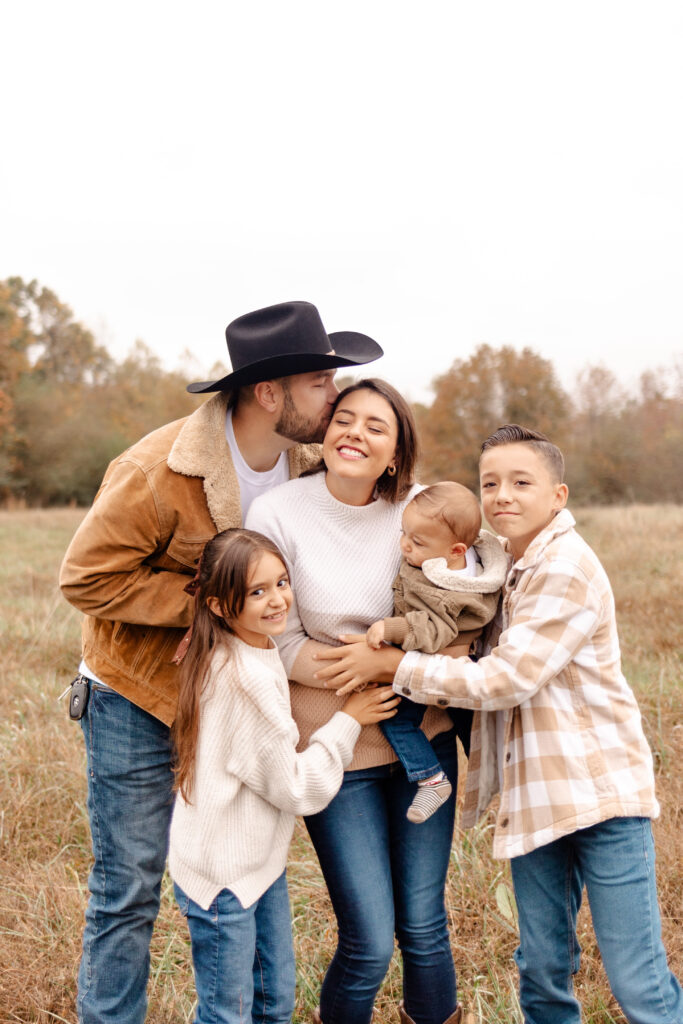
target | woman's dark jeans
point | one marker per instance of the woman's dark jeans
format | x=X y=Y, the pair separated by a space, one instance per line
x=386 y=875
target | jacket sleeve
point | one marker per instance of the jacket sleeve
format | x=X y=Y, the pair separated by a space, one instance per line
x=421 y=630
x=427 y=618
x=104 y=572
x=554 y=618
x=303 y=783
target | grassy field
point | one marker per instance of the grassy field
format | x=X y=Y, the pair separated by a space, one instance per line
x=44 y=840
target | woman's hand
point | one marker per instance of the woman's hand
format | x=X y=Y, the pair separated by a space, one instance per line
x=373 y=705
x=355 y=664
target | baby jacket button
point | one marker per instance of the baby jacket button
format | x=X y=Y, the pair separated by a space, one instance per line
x=406 y=690
x=442 y=702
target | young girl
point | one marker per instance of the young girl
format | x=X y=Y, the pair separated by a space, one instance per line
x=240 y=781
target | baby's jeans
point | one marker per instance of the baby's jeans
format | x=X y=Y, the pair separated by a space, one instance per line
x=410 y=744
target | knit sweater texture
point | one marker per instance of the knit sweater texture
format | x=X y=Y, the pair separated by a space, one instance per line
x=250 y=782
x=342 y=561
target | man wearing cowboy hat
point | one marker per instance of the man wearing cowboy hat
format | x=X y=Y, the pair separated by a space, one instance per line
x=126 y=569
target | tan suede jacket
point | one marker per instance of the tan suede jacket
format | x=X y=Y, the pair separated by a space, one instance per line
x=130 y=559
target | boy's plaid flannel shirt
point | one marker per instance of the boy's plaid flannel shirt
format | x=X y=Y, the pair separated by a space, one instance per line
x=574 y=749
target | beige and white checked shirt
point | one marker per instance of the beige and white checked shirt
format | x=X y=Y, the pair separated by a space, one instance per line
x=574 y=749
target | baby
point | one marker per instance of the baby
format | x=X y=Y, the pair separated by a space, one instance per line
x=448 y=586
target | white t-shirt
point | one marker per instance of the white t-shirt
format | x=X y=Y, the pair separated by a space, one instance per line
x=253 y=484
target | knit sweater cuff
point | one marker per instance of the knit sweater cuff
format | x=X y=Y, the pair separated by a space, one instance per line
x=396 y=630
x=344 y=729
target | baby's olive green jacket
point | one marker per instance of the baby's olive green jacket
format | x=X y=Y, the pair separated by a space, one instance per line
x=130 y=559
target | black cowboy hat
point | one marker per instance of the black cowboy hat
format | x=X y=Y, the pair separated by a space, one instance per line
x=281 y=340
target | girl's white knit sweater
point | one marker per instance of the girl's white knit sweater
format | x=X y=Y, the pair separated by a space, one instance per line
x=250 y=782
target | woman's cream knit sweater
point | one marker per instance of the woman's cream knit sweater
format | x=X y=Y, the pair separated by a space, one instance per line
x=342 y=561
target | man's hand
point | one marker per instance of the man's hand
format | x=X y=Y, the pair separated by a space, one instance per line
x=356 y=664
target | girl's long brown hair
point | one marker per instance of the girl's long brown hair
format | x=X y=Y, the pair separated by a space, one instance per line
x=223 y=573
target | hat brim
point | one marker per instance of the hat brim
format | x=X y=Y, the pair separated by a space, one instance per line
x=350 y=349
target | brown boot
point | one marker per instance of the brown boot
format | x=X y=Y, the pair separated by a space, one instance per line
x=455 y=1017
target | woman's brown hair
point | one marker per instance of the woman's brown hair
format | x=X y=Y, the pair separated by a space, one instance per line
x=223 y=573
x=391 y=488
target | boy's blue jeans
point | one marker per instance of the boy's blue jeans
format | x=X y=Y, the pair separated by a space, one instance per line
x=615 y=861
x=243 y=958
x=410 y=744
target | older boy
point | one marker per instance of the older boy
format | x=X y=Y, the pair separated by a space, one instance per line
x=558 y=731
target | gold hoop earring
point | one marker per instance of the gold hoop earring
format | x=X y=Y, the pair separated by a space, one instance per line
x=391 y=470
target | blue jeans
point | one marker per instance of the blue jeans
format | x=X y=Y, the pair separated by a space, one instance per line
x=615 y=860
x=386 y=875
x=130 y=800
x=410 y=744
x=243 y=958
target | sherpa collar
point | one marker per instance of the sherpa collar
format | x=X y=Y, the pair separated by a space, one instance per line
x=494 y=564
x=201 y=449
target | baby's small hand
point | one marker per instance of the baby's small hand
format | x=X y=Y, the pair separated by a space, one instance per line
x=375 y=635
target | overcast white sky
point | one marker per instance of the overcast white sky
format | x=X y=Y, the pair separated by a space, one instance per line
x=436 y=175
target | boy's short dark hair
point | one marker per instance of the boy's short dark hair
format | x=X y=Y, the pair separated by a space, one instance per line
x=512 y=433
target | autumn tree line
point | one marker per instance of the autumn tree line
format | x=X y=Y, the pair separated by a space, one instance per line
x=67 y=407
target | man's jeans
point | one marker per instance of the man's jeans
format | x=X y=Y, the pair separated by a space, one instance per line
x=243 y=958
x=615 y=861
x=130 y=800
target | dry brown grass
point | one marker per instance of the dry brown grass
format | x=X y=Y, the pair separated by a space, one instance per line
x=44 y=843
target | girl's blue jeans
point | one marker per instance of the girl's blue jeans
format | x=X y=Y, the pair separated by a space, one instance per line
x=386 y=876
x=243 y=958
x=615 y=861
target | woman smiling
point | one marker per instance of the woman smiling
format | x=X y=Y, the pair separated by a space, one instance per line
x=359 y=446
x=338 y=530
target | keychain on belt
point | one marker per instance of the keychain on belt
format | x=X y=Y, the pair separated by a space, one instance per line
x=79 y=691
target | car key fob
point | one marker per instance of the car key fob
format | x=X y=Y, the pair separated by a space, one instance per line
x=78 y=698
